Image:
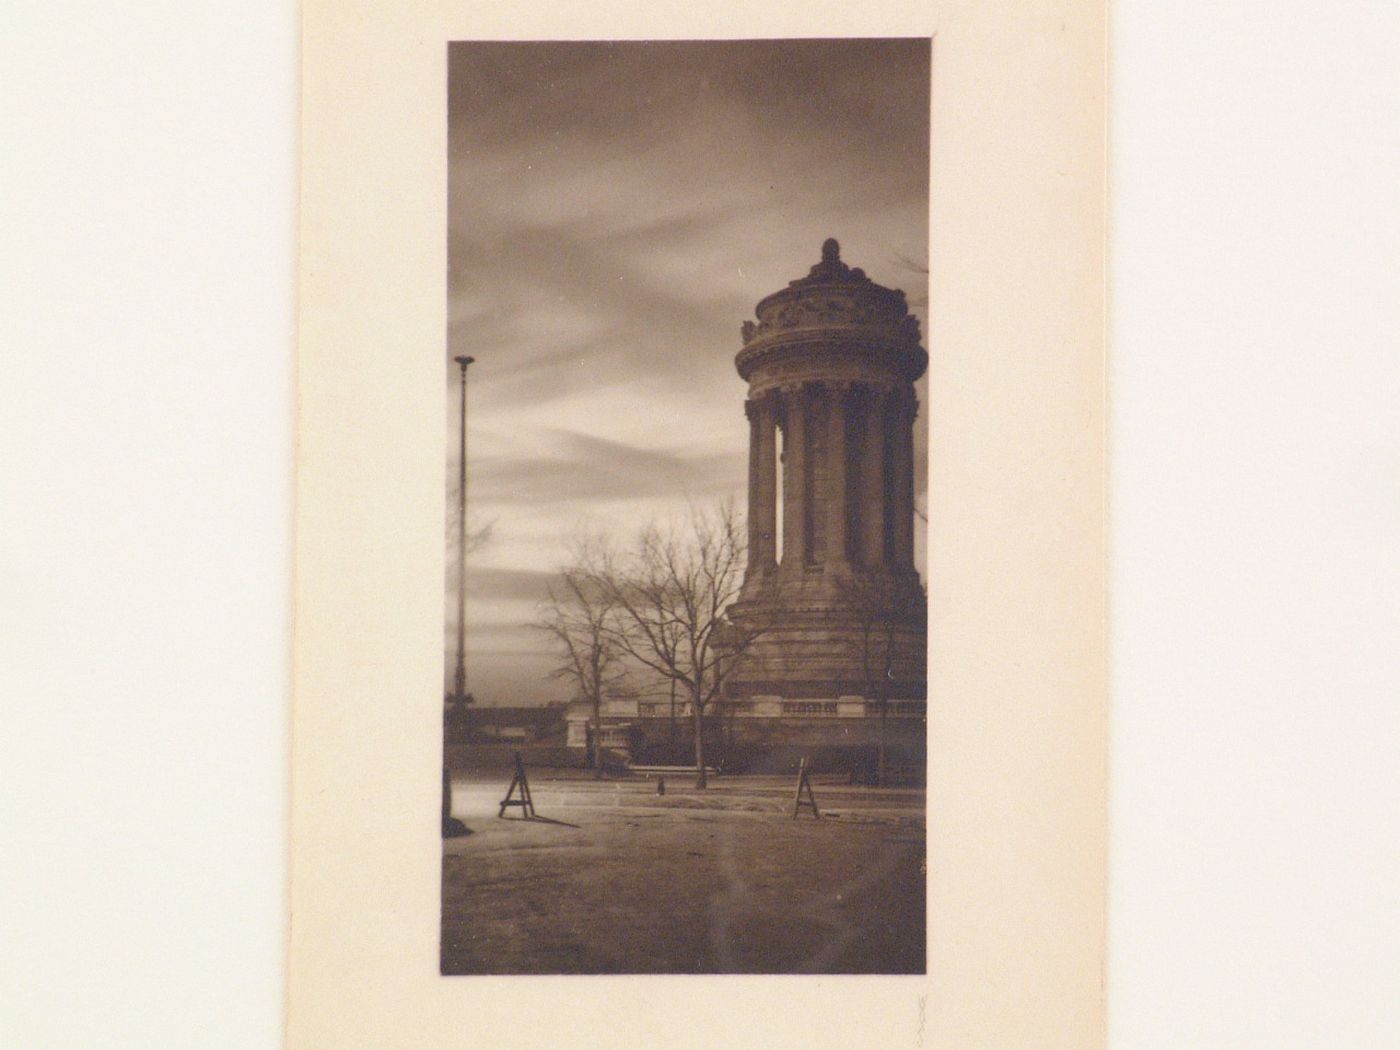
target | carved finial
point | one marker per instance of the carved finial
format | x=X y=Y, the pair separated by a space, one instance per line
x=831 y=269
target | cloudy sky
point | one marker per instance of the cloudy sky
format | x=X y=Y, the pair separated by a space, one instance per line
x=615 y=212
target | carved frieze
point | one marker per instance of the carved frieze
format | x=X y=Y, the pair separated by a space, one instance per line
x=833 y=364
x=880 y=310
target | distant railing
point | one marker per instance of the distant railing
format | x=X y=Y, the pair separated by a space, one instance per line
x=896 y=709
x=809 y=707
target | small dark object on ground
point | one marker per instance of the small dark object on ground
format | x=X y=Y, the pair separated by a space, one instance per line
x=661 y=785
x=452 y=828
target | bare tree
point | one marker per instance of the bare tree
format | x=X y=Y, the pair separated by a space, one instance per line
x=668 y=593
x=577 y=617
x=878 y=605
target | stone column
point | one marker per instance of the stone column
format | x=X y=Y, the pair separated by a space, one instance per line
x=794 y=479
x=872 y=478
x=762 y=486
x=755 y=468
x=903 y=462
x=837 y=513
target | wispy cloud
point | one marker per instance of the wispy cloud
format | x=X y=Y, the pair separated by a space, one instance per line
x=615 y=212
x=530 y=585
x=583 y=469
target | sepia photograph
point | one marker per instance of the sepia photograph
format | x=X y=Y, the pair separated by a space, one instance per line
x=699 y=527
x=685 y=640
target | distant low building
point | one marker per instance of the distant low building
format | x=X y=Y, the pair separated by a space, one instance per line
x=620 y=733
x=518 y=725
x=756 y=733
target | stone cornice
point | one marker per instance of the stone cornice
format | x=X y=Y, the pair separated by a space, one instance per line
x=816 y=354
x=806 y=689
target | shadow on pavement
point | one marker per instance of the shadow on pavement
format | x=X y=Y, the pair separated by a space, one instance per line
x=549 y=820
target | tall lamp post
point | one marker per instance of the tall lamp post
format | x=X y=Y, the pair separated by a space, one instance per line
x=460 y=697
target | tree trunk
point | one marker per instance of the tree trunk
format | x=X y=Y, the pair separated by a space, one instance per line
x=880 y=772
x=597 y=739
x=880 y=760
x=671 y=744
x=700 y=778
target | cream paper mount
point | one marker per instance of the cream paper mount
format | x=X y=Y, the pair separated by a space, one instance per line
x=1016 y=550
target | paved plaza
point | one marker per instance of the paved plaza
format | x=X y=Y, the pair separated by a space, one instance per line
x=614 y=878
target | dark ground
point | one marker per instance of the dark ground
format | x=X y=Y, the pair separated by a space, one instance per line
x=619 y=880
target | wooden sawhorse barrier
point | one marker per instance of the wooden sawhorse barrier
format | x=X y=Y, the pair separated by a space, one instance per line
x=520 y=782
x=804 y=783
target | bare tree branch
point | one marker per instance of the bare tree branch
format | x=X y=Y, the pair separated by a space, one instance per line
x=667 y=594
x=877 y=605
x=576 y=617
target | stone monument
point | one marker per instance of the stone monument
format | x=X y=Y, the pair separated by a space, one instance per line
x=831 y=597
